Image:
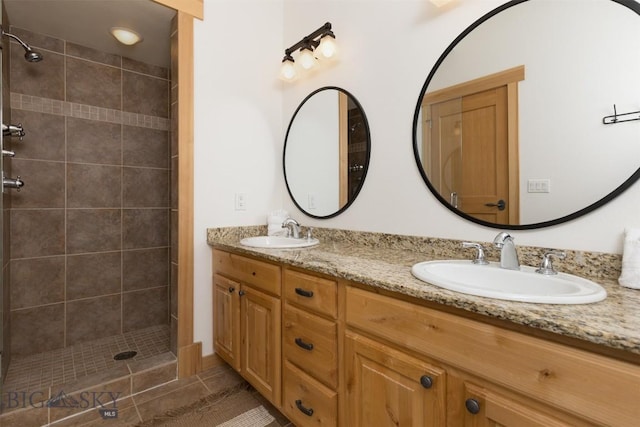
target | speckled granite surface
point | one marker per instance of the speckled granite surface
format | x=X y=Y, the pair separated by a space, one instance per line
x=384 y=261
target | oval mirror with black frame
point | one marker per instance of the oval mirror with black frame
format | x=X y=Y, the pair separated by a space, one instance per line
x=528 y=118
x=326 y=152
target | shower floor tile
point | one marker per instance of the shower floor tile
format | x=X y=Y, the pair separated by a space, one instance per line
x=37 y=371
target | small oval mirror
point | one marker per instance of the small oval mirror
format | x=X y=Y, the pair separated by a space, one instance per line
x=326 y=152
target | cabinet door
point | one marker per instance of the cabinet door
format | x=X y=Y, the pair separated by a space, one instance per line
x=226 y=320
x=386 y=387
x=261 y=360
x=486 y=408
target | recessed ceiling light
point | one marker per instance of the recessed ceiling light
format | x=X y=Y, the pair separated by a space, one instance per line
x=126 y=36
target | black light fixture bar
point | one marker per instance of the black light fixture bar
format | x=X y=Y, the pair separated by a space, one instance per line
x=310 y=39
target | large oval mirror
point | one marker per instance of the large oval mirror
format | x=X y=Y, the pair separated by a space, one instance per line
x=530 y=117
x=326 y=152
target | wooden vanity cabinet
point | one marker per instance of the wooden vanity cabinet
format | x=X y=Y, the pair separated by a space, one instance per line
x=310 y=349
x=494 y=376
x=247 y=320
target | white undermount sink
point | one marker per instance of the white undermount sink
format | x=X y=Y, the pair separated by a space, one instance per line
x=524 y=285
x=278 y=242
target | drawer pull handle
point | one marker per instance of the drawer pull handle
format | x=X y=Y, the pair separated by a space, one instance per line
x=426 y=381
x=307 y=411
x=472 y=406
x=302 y=344
x=231 y=289
x=304 y=293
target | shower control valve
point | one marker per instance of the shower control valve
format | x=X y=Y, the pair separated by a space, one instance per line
x=8 y=153
x=16 y=183
x=13 y=130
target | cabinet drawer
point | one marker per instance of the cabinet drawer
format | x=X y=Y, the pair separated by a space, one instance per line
x=307 y=402
x=561 y=376
x=310 y=342
x=311 y=292
x=261 y=275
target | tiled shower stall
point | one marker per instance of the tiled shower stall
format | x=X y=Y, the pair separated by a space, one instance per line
x=89 y=234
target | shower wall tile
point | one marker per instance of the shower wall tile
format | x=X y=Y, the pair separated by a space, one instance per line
x=37 y=232
x=45 y=135
x=93 y=318
x=37 y=281
x=91 y=54
x=143 y=68
x=39 y=40
x=32 y=78
x=93 y=275
x=93 y=186
x=145 y=147
x=173 y=291
x=102 y=89
x=44 y=184
x=145 y=308
x=145 y=95
x=173 y=133
x=145 y=188
x=90 y=141
x=93 y=230
x=37 y=329
x=145 y=268
x=144 y=228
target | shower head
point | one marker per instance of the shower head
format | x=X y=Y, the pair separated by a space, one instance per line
x=30 y=55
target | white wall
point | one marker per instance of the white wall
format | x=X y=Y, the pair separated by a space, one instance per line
x=387 y=48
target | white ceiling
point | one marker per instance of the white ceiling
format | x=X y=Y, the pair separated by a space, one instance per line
x=87 y=22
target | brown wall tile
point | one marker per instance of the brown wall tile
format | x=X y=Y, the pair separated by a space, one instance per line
x=93 y=230
x=145 y=268
x=145 y=95
x=36 y=233
x=37 y=281
x=142 y=68
x=143 y=309
x=173 y=290
x=93 y=186
x=90 y=319
x=44 y=184
x=91 y=54
x=91 y=141
x=39 y=40
x=144 y=228
x=145 y=147
x=173 y=187
x=173 y=234
x=34 y=330
x=101 y=90
x=44 y=78
x=93 y=275
x=44 y=139
x=145 y=188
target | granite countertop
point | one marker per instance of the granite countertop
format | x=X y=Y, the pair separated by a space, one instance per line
x=614 y=322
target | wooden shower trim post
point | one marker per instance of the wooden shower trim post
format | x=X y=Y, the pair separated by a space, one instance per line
x=189 y=353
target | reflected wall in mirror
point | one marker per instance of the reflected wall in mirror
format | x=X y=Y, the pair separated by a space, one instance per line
x=508 y=130
x=326 y=152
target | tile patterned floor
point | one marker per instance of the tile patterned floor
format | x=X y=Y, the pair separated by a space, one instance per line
x=34 y=372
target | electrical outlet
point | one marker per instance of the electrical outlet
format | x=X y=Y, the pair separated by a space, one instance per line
x=539 y=186
x=241 y=201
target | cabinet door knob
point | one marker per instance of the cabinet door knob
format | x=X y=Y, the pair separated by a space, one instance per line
x=307 y=411
x=304 y=292
x=472 y=406
x=241 y=293
x=426 y=381
x=231 y=289
x=305 y=345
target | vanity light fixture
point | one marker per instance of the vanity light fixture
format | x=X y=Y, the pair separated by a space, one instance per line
x=321 y=43
x=125 y=35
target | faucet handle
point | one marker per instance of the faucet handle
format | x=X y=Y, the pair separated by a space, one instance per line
x=546 y=266
x=309 y=231
x=480 y=259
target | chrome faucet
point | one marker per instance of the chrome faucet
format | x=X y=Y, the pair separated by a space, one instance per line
x=293 y=228
x=508 y=252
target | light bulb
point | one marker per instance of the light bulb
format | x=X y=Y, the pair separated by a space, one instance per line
x=328 y=46
x=126 y=36
x=288 y=69
x=307 y=60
